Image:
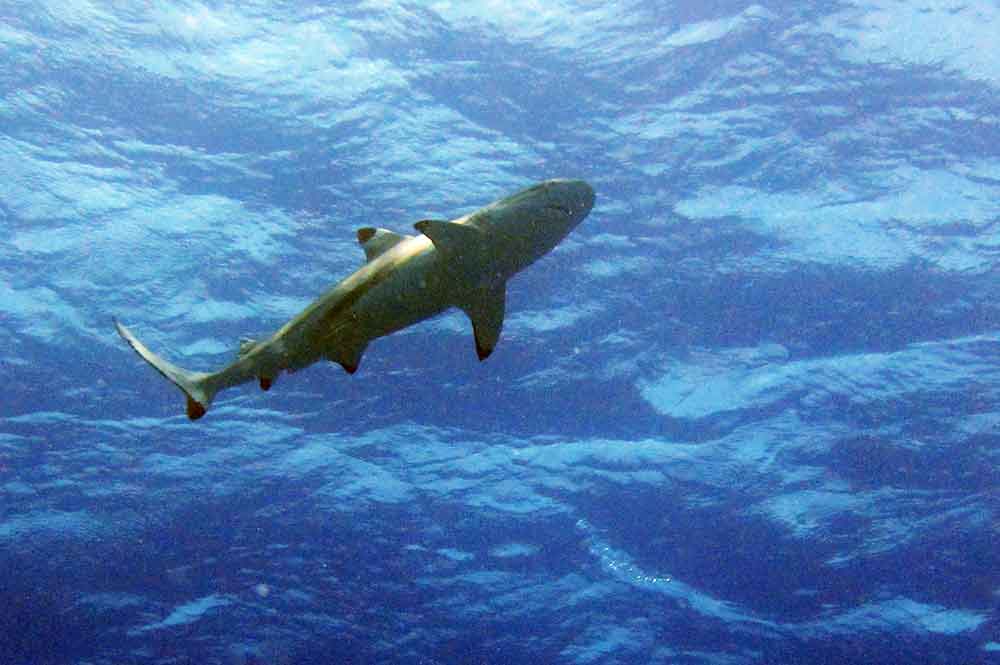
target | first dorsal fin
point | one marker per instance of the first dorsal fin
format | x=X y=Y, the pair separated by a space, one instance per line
x=377 y=242
x=450 y=237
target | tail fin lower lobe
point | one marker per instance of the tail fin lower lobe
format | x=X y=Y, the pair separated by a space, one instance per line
x=192 y=384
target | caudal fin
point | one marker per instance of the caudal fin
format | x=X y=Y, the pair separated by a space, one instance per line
x=192 y=384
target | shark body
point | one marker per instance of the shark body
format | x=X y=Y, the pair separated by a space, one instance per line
x=462 y=263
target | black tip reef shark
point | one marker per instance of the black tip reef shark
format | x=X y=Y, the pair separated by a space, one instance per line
x=463 y=263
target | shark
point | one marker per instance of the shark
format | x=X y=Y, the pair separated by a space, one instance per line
x=462 y=263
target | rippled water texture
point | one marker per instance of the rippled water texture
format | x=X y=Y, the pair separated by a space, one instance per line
x=747 y=412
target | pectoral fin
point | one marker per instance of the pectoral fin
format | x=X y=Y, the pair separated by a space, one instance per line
x=485 y=308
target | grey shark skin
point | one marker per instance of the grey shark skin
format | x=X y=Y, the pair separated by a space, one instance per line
x=463 y=263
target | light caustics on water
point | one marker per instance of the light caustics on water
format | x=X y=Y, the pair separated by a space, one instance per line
x=621 y=566
x=618 y=563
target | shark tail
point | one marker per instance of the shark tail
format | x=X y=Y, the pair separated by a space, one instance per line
x=194 y=385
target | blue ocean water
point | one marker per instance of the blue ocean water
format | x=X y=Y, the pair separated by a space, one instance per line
x=748 y=412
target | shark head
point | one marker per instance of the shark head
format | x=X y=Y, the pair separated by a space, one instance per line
x=527 y=225
x=568 y=202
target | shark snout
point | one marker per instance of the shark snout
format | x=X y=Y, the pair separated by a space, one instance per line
x=576 y=197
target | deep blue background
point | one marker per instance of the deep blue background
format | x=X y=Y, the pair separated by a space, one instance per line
x=746 y=413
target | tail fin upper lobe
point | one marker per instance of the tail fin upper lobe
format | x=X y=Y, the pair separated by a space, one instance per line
x=193 y=384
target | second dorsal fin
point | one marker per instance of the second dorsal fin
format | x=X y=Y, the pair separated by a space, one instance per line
x=247 y=345
x=377 y=242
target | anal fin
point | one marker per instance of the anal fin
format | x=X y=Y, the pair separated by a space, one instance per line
x=195 y=410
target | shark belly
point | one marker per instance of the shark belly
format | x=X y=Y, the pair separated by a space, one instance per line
x=417 y=289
